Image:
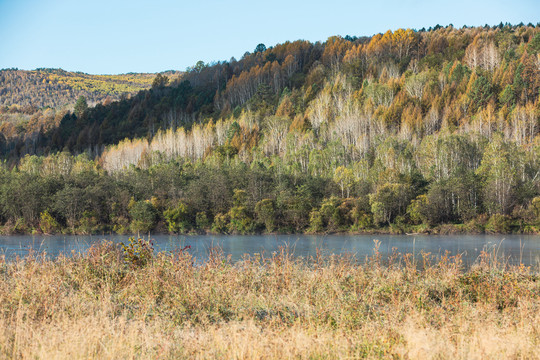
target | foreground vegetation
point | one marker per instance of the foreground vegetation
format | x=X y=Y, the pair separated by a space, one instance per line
x=109 y=303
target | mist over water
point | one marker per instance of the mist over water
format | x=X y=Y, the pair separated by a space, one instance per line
x=512 y=249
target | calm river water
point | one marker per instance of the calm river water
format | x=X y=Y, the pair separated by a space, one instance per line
x=512 y=248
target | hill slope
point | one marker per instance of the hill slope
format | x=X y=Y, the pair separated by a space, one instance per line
x=56 y=87
x=408 y=80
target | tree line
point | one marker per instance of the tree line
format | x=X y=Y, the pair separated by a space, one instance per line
x=452 y=183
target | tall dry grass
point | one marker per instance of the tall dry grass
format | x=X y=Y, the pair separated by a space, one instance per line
x=96 y=306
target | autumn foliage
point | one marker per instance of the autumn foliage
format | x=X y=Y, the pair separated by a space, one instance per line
x=407 y=129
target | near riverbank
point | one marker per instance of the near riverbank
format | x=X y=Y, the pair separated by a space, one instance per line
x=114 y=303
x=496 y=224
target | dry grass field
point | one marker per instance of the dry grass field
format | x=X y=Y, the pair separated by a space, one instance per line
x=103 y=305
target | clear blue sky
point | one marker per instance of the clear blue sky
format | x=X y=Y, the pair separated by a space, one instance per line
x=110 y=37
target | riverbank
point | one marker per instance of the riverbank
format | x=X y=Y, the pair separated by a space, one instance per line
x=498 y=226
x=104 y=304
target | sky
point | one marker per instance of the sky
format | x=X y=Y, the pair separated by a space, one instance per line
x=113 y=37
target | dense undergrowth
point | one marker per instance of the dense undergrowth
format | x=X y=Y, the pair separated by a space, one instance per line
x=105 y=304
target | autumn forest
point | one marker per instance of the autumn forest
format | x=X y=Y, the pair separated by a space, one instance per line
x=411 y=131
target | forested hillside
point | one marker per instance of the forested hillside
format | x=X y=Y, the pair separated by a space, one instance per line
x=430 y=130
x=35 y=101
x=56 y=87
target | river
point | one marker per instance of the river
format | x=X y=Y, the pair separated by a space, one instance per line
x=513 y=249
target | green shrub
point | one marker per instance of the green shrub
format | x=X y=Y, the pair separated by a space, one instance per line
x=201 y=220
x=266 y=214
x=220 y=223
x=477 y=225
x=535 y=208
x=177 y=219
x=417 y=210
x=143 y=216
x=240 y=219
x=47 y=223
x=315 y=221
x=499 y=224
x=362 y=221
x=89 y=223
x=120 y=224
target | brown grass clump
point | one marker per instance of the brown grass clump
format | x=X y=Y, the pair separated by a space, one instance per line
x=97 y=305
